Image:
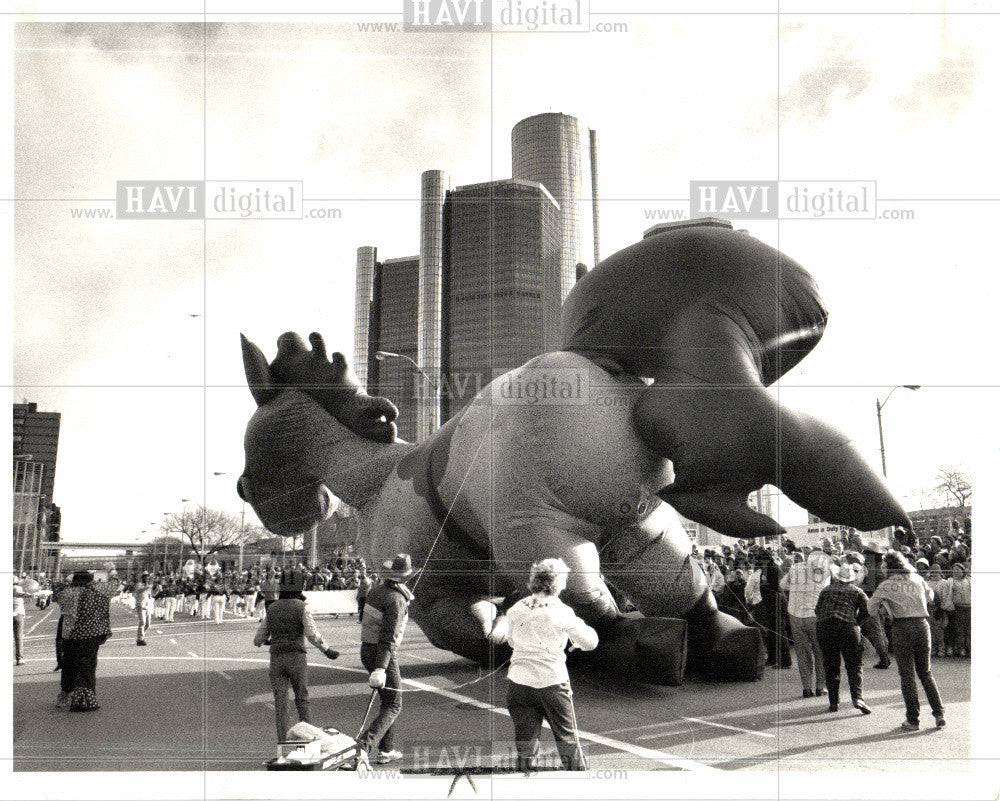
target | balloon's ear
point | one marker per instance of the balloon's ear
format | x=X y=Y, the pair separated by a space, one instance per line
x=258 y=373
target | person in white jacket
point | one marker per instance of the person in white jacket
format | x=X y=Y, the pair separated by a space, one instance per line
x=804 y=582
x=538 y=629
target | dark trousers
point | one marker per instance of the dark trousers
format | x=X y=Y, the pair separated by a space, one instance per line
x=871 y=629
x=839 y=639
x=911 y=643
x=771 y=619
x=289 y=670
x=59 y=643
x=528 y=706
x=18 y=637
x=390 y=702
x=79 y=673
x=962 y=630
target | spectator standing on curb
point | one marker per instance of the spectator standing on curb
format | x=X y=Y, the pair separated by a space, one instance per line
x=286 y=626
x=961 y=599
x=839 y=608
x=804 y=582
x=19 y=595
x=906 y=595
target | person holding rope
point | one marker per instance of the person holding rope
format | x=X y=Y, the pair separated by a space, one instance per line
x=840 y=609
x=386 y=611
x=538 y=629
x=286 y=627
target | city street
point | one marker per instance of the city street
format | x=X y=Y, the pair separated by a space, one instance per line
x=197 y=698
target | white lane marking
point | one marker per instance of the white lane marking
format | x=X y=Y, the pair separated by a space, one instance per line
x=707 y=723
x=39 y=623
x=173 y=641
x=192 y=653
x=636 y=750
x=422 y=658
x=224 y=675
x=175 y=624
x=618 y=745
x=159 y=632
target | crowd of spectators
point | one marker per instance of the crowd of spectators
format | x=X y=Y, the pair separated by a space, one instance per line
x=746 y=580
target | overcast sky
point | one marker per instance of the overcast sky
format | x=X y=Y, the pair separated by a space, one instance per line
x=153 y=399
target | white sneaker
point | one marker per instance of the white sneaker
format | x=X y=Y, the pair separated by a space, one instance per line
x=362 y=764
x=384 y=757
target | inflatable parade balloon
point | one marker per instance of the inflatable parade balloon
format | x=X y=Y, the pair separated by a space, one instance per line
x=667 y=349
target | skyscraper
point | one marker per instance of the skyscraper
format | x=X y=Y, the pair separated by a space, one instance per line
x=504 y=282
x=496 y=260
x=546 y=148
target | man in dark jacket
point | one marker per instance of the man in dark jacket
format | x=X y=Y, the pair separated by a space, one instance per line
x=286 y=627
x=871 y=627
x=386 y=611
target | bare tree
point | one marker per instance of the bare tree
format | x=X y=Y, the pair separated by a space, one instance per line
x=208 y=531
x=953 y=486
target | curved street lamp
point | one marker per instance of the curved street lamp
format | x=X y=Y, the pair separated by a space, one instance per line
x=429 y=409
x=879 y=406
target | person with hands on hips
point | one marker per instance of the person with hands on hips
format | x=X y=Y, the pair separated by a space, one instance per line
x=385 y=614
x=286 y=627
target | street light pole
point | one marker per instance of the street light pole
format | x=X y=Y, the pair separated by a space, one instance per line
x=879 y=406
x=429 y=410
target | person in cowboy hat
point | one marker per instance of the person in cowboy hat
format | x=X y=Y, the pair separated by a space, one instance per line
x=286 y=626
x=841 y=606
x=385 y=614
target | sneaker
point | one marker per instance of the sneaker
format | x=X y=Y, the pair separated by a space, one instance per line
x=19 y=661
x=820 y=691
x=141 y=642
x=861 y=705
x=939 y=720
x=63 y=700
x=882 y=664
x=57 y=667
x=833 y=708
x=385 y=757
x=910 y=725
x=808 y=694
x=361 y=764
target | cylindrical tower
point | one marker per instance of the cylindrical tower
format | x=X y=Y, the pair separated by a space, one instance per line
x=433 y=190
x=593 y=195
x=363 y=289
x=546 y=148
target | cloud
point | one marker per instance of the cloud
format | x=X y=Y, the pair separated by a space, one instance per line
x=838 y=76
x=943 y=92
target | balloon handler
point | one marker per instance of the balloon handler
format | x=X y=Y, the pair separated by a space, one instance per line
x=386 y=613
x=286 y=627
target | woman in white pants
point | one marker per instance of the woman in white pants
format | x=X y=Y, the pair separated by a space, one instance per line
x=170 y=603
x=249 y=601
x=217 y=602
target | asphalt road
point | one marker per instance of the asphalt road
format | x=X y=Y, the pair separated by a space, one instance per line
x=197 y=699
